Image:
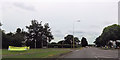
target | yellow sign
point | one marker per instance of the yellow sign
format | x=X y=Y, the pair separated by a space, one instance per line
x=12 y=48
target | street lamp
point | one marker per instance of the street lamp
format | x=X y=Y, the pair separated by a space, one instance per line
x=73 y=31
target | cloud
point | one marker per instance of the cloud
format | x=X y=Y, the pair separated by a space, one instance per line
x=25 y=6
x=58 y=33
x=76 y=32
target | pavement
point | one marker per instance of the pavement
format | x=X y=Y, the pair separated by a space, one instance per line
x=91 y=52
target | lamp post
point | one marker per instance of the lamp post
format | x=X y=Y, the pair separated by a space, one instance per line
x=73 y=31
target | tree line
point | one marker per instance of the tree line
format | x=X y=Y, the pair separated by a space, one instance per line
x=68 y=42
x=38 y=36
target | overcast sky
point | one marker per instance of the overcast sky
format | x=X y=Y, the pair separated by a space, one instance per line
x=94 y=15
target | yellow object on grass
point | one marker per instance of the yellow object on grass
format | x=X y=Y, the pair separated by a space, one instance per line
x=12 y=48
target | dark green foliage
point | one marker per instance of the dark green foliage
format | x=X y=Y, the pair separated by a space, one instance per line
x=53 y=43
x=68 y=39
x=42 y=35
x=76 y=39
x=68 y=42
x=61 y=46
x=98 y=41
x=0 y=24
x=109 y=33
x=38 y=35
x=17 y=38
x=18 y=30
x=84 y=42
x=61 y=42
x=13 y=39
x=5 y=40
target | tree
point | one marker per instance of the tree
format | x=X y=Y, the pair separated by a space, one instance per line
x=53 y=43
x=69 y=39
x=111 y=32
x=0 y=24
x=84 y=42
x=98 y=42
x=38 y=35
x=18 y=30
x=35 y=33
x=13 y=39
x=17 y=38
x=5 y=40
x=77 y=41
x=61 y=42
x=47 y=34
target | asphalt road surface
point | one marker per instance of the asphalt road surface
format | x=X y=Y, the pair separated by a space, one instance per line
x=92 y=52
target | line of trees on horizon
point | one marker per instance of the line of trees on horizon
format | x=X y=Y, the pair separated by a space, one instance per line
x=68 y=42
x=38 y=36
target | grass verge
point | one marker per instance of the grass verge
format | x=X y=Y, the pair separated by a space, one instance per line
x=35 y=53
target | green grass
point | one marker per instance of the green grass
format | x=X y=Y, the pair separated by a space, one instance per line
x=107 y=48
x=34 y=53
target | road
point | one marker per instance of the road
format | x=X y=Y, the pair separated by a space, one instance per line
x=92 y=52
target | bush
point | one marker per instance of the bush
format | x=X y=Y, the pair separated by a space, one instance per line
x=62 y=46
